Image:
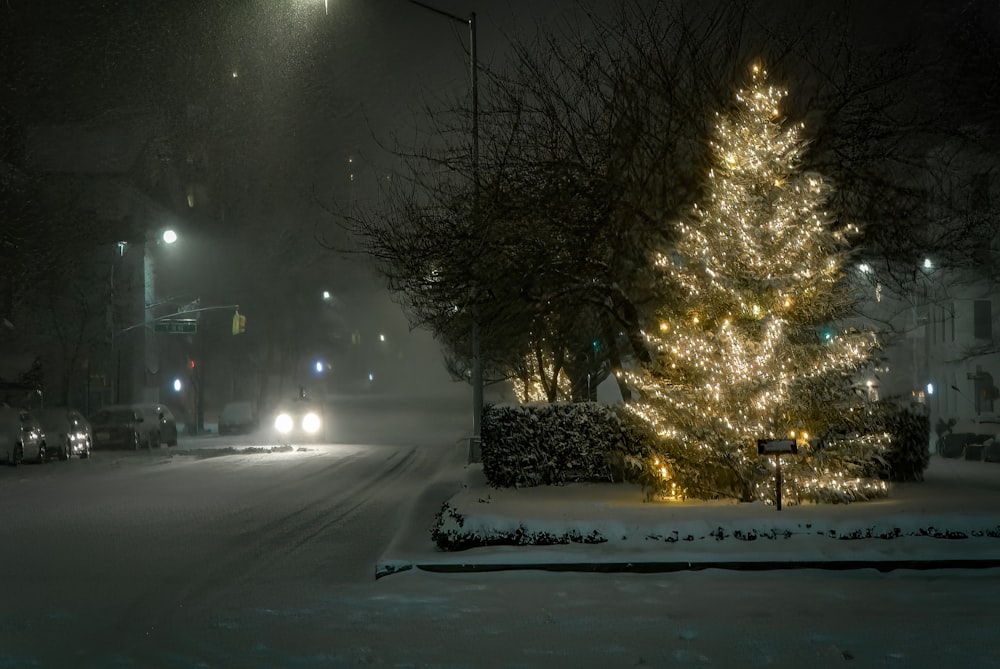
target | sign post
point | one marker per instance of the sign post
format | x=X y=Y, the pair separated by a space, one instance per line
x=776 y=447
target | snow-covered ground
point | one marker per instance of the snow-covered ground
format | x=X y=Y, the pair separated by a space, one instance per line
x=952 y=518
x=218 y=554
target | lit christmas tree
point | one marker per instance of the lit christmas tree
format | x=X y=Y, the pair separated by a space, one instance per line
x=749 y=349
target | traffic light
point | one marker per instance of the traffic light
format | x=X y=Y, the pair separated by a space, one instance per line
x=239 y=323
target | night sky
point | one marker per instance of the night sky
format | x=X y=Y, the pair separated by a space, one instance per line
x=314 y=86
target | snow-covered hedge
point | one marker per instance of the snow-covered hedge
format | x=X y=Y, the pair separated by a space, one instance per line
x=544 y=444
x=552 y=444
x=454 y=531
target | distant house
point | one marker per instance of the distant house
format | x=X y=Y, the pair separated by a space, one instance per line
x=115 y=176
x=942 y=334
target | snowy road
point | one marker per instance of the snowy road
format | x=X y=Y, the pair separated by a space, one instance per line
x=266 y=560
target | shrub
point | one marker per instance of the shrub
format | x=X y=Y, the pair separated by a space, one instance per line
x=908 y=453
x=545 y=444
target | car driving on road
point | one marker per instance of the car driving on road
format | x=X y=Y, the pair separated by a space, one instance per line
x=300 y=419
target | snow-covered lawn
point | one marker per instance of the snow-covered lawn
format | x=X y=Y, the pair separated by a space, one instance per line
x=953 y=515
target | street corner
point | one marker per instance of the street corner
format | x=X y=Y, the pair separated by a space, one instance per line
x=385 y=568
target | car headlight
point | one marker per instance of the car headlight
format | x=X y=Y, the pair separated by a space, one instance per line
x=310 y=423
x=284 y=423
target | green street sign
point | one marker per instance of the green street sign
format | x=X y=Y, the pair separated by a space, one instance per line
x=177 y=326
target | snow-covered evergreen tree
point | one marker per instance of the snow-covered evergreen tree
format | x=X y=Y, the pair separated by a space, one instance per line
x=753 y=351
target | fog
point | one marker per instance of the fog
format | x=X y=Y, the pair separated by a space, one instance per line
x=251 y=128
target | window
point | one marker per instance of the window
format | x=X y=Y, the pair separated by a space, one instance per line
x=986 y=392
x=982 y=319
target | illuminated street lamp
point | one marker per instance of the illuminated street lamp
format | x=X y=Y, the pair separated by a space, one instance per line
x=150 y=357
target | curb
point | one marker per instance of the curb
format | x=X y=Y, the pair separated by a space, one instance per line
x=882 y=566
x=731 y=565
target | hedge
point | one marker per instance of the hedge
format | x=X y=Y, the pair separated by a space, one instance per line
x=546 y=444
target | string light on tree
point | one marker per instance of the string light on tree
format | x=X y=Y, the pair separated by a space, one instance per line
x=750 y=351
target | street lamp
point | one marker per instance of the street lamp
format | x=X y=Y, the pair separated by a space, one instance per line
x=150 y=355
x=477 y=369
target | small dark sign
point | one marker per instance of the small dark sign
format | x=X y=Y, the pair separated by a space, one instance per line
x=776 y=446
x=177 y=326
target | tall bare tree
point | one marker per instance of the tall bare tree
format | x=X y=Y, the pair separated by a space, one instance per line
x=591 y=144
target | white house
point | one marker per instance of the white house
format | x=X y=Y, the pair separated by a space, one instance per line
x=941 y=331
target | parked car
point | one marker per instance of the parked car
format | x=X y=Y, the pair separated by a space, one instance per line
x=164 y=418
x=124 y=426
x=21 y=436
x=237 y=418
x=67 y=432
x=298 y=420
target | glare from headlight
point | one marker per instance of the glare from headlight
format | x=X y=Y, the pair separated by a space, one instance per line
x=310 y=423
x=284 y=423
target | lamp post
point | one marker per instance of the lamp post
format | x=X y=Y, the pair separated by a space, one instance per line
x=150 y=354
x=477 y=369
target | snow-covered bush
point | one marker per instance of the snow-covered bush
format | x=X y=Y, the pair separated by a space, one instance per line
x=908 y=453
x=544 y=444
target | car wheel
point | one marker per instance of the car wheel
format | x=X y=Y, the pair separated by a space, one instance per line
x=154 y=440
x=85 y=453
x=67 y=451
x=42 y=454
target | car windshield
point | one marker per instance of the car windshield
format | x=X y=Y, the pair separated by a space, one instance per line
x=298 y=405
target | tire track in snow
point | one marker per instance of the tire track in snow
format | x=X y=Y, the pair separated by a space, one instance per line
x=262 y=548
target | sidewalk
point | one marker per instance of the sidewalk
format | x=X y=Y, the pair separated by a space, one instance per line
x=952 y=519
